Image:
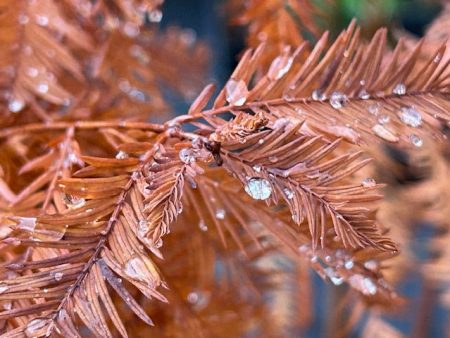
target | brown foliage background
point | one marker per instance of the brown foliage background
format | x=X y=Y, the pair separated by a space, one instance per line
x=325 y=157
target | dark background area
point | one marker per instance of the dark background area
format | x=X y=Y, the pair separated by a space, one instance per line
x=209 y=20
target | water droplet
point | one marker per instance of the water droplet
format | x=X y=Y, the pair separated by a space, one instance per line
x=410 y=116
x=363 y=284
x=338 y=100
x=73 y=158
x=314 y=259
x=138 y=95
x=368 y=182
x=37 y=328
x=198 y=299
x=257 y=168
x=369 y=287
x=261 y=141
x=58 y=276
x=42 y=87
x=159 y=243
x=334 y=277
x=26 y=223
x=399 y=89
x=349 y=264
x=41 y=20
x=74 y=202
x=16 y=105
x=186 y=155
x=437 y=58
x=258 y=188
x=141 y=268
x=383 y=133
x=289 y=193
x=279 y=67
x=155 y=15
x=3 y=288
x=364 y=95
x=121 y=155
x=303 y=248
x=236 y=92
x=371 y=265
x=317 y=95
x=220 y=214
x=202 y=225
x=142 y=228
x=193 y=297
x=415 y=140
x=32 y=72
x=374 y=109
x=383 y=119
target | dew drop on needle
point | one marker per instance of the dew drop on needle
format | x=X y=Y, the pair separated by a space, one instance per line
x=236 y=92
x=410 y=116
x=258 y=188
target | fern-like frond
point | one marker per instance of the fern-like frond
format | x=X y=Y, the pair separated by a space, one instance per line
x=33 y=58
x=231 y=215
x=350 y=90
x=113 y=208
x=284 y=165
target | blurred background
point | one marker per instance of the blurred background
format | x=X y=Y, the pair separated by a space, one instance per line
x=210 y=21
